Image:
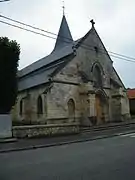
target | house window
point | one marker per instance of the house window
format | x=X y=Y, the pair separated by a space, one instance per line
x=21 y=107
x=71 y=109
x=39 y=106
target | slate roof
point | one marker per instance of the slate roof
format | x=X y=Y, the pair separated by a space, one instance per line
x=64 y=35
x=35 y=79
x=54 y=56
x=42 y=75
x=39 y=72
x=63 y=47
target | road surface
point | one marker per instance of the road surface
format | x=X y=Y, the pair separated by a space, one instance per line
x=111 y=158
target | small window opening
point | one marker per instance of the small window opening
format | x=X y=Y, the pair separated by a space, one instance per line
x=96 y=49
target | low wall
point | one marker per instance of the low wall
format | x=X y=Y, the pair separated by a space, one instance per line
x=44 y=130
x=5 y=126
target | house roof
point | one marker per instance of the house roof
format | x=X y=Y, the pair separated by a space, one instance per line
x=131 y=93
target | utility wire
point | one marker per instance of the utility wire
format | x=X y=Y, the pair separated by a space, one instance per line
x=4 y=0
x=125 y=58
x=26 y=29
x=28 y=25
x=36 y=28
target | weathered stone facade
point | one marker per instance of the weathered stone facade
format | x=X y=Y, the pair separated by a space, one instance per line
x=29 y=106
x=86 y=90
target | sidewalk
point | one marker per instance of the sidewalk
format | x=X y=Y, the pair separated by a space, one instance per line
x=27 y=144
x=111 y=124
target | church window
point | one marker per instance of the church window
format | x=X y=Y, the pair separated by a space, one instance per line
x=71 y=108
x=96 y=49
x=97 y=77
x=39 y=106
x=21 y=107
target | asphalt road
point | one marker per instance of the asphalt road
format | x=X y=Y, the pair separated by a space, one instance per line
x=111 y=158
x=48 y=141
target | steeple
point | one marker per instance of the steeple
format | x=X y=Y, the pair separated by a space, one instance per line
x=64 y=36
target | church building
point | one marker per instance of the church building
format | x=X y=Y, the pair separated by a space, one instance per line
x=76 y=82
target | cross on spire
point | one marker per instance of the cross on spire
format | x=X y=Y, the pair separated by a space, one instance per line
x=63 y=7
x=92 y=22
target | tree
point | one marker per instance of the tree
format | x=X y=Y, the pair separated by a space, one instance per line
x=9 y=57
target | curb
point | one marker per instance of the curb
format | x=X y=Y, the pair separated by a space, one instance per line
x=108 y=127
x=2 y=141
x=62 y=143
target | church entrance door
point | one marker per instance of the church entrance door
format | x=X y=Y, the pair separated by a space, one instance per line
x=101 y=106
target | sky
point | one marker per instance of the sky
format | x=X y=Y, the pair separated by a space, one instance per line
x=115 y=24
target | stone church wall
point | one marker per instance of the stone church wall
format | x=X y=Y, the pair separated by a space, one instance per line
x=29 y=109
x=125 y=106
x=67 y=85
x=57 y=102
x=120 y=105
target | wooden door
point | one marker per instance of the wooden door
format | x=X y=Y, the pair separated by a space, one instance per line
x=98 y=109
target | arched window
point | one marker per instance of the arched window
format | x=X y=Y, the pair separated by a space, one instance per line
x=39 y=106
x=21 y=107
x=97 y=77
x=71 y=109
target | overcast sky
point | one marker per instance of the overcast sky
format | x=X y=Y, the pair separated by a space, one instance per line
x=115 y=23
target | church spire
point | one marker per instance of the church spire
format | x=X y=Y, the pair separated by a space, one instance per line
x=64 y=36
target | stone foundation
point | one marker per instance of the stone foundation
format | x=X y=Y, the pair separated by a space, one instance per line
x=44 y=130
x=93 y=120
x=125 y=117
